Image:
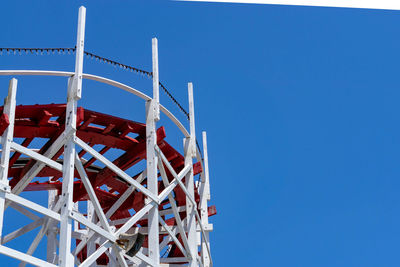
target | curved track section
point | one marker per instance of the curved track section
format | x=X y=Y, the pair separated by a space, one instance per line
x=38 y=126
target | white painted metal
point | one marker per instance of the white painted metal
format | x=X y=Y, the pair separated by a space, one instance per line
x=91 y=216
x=24 y=211
x=188 y=196
x=6 y=139
x=189 y=150
x=9 y=110
x=34 y=155
x=156 y=81
x=99 y=229
x=24 y=257
x=38 y=166
x=152 y=116
x=175 y=210
x=110 y=212
x=172 y=235
x=83 y=220
x=168 y=189
x=92 y=194
x=48 y=222
x=74 y=93
x=115 y=169
x=124 y=196
x=21 y=231
x=52 y=230
x=33 y=206
x=138 y=215
x=35 y=243
x=171 y=169
x=102 y=80
x=204 y=198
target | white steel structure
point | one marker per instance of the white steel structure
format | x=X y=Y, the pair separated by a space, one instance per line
x=60 y=222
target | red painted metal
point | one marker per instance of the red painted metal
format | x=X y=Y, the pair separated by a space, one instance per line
x=4 y=122
x=46 y=123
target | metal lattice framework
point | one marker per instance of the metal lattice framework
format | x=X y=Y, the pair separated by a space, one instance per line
x=90 y=206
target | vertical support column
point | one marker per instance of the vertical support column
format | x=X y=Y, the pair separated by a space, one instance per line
x=156 y=81
x=74 y=94
x=91 y=245
x=152 y=116
x=190 y=153
x=52 y=231
x=9 y=110
x=76 y=223
x=204 y=198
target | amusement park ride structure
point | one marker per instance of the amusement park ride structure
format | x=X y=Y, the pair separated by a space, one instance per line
x=102 y=216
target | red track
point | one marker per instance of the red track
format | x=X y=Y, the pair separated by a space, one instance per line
x=47 y=121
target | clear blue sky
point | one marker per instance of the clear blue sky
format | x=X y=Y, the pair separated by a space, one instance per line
x=300 y=104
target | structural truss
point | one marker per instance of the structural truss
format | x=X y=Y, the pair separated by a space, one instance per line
x=93 y=203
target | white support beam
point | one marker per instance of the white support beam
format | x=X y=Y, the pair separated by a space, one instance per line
x=111 y=258
x=35 y=243
x=161 y=212
x=24 y=211
x=65 y=257
x=74 y=94
x=192 y=132
x=175 y=211
x=114 y=168
x=24 y=257
x=189 y=153
x=144 y=259
x=138 y=215
x=204 y=198
x=199 y=260
x=111 y=211
x=21 y=231
x=79 y=54
x=91 y=245
x=117 y=251
x=162 y=230
x=93 y=257
x=99 y=230
x=80 y=218
x=92 y=195
x=55 y=207
x=188 y=196
x=152 y=116
x=170 y=211
x=38 y=166
x=126 y=194
x=168 y=189
x=75 y=223
x=36 y=156
x=166 y=241
x=172 y=260
x=156 y=81
x=171 y=169
x=7 y=137
x=33 y=206
x=172 y=265
x=172 y=235
x=52 y=229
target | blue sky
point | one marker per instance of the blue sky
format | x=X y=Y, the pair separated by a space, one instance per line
x=300 y=105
